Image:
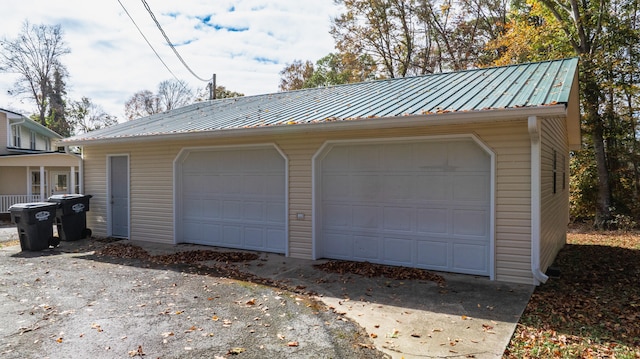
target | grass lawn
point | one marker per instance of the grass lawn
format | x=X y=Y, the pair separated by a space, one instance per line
x=593 y=309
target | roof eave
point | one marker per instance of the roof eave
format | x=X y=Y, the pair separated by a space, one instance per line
x=450 y=118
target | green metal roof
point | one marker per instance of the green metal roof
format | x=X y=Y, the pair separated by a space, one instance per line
x=527 y=85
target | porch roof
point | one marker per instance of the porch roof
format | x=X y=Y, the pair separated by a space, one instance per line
x=41 y=159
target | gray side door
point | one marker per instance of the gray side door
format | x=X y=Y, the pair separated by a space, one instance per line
x=119 y=196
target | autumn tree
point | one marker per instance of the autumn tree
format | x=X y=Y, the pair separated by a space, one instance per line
x=605 y=35
x=142 y=103
x=386 y=30
x=342 y=68
x=295 y=74
x=35 y=55
x=86 y=116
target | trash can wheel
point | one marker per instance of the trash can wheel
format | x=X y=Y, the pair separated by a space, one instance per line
x=86 y=233
x=54 y=242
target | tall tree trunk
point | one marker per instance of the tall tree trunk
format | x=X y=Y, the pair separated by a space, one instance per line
x=595 y=124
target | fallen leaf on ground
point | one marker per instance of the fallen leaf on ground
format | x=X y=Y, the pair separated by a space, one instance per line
x=236 y=351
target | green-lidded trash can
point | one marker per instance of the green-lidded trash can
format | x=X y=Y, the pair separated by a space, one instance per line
x=35 y=225
x=71 y=216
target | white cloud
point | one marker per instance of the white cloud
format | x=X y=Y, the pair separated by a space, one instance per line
x=246 y=43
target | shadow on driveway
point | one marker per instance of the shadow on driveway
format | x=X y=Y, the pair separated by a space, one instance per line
x=466 y=317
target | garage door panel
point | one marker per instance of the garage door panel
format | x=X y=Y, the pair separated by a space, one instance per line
x=234 y=198
x=273 y=184
x=364 y=187
x=432 y=220
x=338 y=162
x=336 y=187
x=470 y=187
x=231 y=210
x=429 y=154
x=231 y=235
x=336 y=216
x=467 y=260
x=398 y=158
x=433 y=187
x=274 y=240
x=365 y=217
x=412 y=204
x=398 y=251
x=366 y=248
x=468 y=222
x=466 y=155
x=364 y=158
x=432 y=254
x=253 y=238
x=337 y=245
x=394 y=187
x=211 y=208
x=253 y=184
x=398 y=218
x=192 y=230
x=275 y=213
x=253 y=211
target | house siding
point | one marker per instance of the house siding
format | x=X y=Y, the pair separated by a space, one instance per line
x=554 y=207
x=12 y=181
x=151 y=181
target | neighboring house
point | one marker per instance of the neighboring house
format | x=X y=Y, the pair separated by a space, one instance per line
x=31 y=168
x=462 y=172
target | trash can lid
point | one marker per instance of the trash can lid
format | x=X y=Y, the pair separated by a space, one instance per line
x=66 y=196
x=31 y=205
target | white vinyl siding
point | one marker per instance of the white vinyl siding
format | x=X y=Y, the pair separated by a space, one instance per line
x=554 y=215
x=152 y=212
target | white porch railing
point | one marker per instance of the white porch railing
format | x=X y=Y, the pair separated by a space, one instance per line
x=7 y=201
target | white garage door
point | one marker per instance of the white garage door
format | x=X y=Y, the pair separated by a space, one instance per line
x=420 y=204
x=233 y=198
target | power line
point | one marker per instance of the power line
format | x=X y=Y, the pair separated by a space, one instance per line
x=169 y=42
x=148 y=43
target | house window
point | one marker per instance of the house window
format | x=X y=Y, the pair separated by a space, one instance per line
x=15 y=134
x=555 y=170
x=32 y=143
x=77 y=183
x=36 y=183
x=47 y=143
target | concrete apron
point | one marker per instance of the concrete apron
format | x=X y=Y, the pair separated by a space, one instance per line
x=468 y=317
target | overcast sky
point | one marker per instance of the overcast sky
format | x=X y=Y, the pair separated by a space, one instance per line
x=246 y=43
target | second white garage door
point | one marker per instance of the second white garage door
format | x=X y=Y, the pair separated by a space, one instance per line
x=233 y=198
x=422 y=204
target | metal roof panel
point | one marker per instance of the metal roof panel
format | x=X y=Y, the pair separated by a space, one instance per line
x=525 y=85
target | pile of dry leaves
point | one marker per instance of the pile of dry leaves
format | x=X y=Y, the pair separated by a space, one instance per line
x=592 y=310
x=371 y=270
x=122 y=250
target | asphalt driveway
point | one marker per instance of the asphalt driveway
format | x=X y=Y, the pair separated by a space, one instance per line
x=71 y=301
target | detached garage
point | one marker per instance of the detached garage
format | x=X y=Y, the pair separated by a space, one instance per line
x=464 y=172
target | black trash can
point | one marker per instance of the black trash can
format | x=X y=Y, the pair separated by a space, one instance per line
x=35 y=225
x=71 y=216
